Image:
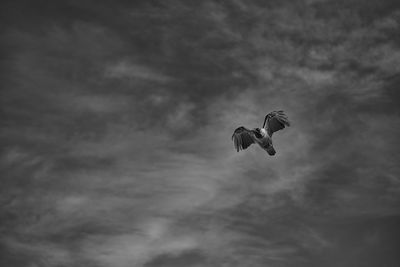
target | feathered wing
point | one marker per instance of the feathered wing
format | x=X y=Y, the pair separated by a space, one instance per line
x=275 y=121
x=242 y=138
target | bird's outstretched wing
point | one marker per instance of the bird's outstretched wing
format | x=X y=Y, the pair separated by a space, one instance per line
x=275 y=121
x=242 y=138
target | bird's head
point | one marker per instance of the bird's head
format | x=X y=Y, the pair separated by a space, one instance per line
x=263 y=132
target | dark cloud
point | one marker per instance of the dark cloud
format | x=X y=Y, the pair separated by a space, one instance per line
x=116 y=120
x=192 y=258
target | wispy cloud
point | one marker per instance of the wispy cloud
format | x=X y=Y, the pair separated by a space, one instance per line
x=133 y=71
x=116 y=133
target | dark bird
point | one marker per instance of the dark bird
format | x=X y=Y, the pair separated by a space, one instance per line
x=274 y=121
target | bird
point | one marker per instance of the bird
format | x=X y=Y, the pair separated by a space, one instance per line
x=274 y=121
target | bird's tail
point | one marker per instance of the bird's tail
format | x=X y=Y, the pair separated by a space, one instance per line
x=271 y=150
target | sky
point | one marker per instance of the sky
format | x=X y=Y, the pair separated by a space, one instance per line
x=116 y=121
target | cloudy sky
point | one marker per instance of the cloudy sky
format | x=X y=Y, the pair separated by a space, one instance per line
x=116 y=124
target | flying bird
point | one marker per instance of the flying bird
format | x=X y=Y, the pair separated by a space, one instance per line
x=274 y=121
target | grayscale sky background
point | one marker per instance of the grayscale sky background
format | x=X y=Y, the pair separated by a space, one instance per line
x=116 y=124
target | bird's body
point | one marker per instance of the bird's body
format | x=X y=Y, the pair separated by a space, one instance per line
x=274 y=121
x=266 y=142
